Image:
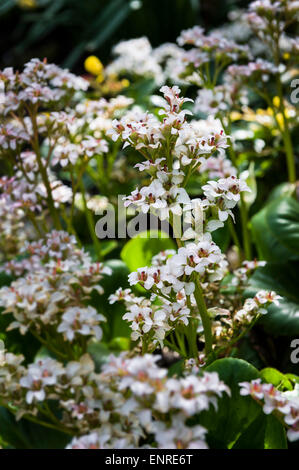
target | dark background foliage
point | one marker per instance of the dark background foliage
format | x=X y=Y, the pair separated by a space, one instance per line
x=66 y=31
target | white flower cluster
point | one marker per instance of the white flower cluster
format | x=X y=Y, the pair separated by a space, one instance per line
x=53 y=294
x=12 y=234
x=171 y=280
x=155 y=321
x=285 y=404
x=134 y=394
x=212 y=43
x=256 y=306
x=174 y=149
x=26 y=188
x=224 y=194
x=242 y=274
x=81 y=131
x=210 y=101
x=66 y=152
x=148 y=132
x=218 y=167
x=206 y=48
x=187 y=149
x=40 y=83
x=136 y=58
x=260 y=69
x=219 y=100
x=12 y=136
x=171 y=401
x=269 y=17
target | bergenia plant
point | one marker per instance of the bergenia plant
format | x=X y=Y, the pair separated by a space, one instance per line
x=180 y=310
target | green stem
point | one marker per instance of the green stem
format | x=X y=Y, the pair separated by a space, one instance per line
x=206 y=321
x=43 y=171
x=234 y=235
x=38 y=421
x=285 y=131
x=48 y=345
x=181 y=343
x=172 y=346
x=192 y=338
x=291 y=165
x=245 y=230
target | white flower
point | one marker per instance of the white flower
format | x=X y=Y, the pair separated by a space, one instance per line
x=179 y=436
x=94 y=440
x=82 y=321
x=43 y=373
x=210 y=101
x=286 y=404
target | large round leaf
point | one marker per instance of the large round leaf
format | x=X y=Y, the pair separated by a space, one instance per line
x=276 y=230
x=236 y=415
x=283 y=279
x=266 y=432
x=139 y=251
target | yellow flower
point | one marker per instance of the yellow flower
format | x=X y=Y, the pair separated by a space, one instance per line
x=235 y=115
x=276 y=101
x=280 y=120
x=100 y=78
x=93 y=65
x=286 y=55
x=27 y=3
x=125 y=82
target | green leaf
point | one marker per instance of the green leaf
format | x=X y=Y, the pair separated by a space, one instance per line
x=176 y=368
x=293 y=378
x=266 y=432
x=282 y=190
x=276 y=230
x=222 y=237
x=276 y=378
x=5 y=279
x=119 y=344
x=107 y=247
x=139 y=251
x=235 y=413
x=24 y=434
x=283 y=279
x=254 y=436
x=240 y=422
x=275 y=435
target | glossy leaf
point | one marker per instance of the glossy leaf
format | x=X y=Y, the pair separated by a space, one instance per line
x=139 y=251
x=276 y=378
x=276 y=230
x=235 y=413
x=283 y=279
x=239 y=421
